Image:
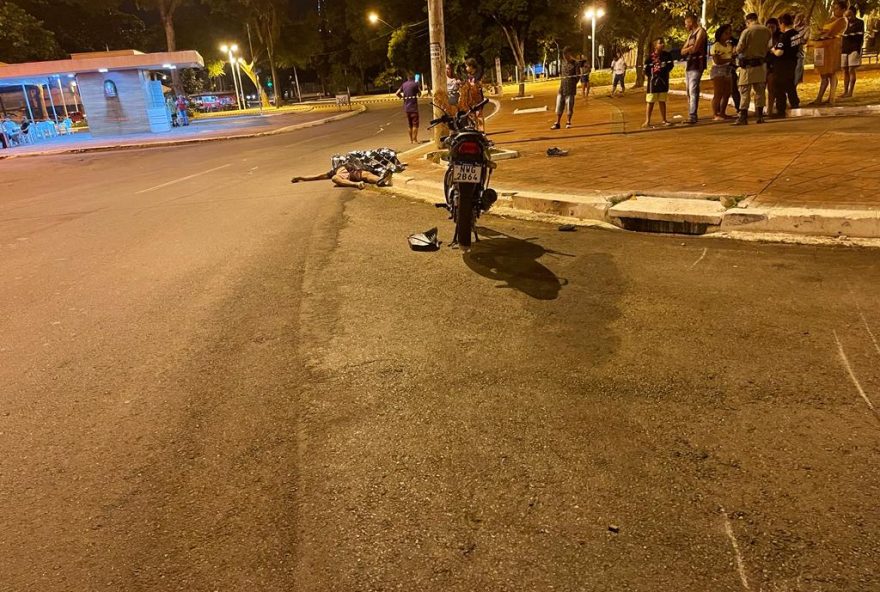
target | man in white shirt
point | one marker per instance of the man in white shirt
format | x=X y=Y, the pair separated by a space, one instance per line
x=618 y=67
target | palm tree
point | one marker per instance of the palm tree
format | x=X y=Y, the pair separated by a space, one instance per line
x=766 y=9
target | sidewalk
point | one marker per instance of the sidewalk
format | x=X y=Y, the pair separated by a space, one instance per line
x=829 y=164
x=246 y=126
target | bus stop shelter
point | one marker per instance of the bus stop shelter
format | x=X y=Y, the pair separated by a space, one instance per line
x=120 y=91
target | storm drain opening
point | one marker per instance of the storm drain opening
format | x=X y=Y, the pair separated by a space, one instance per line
x=667 y=215
x=664 y=226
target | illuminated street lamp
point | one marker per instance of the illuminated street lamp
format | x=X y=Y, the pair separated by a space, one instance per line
x=374 y=18
x=238 y=64
x=593 y=14
x=229 y=50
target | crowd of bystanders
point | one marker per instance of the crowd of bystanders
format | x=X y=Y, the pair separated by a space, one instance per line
x=766 y=61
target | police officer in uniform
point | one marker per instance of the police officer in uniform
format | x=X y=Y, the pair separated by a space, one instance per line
x=786 y=52
x=752 y=61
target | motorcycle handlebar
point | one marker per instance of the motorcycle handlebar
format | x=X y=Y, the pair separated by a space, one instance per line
x=439 y=120
x=479 y=105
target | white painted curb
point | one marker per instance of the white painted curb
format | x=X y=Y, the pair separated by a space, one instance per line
x=608 y=208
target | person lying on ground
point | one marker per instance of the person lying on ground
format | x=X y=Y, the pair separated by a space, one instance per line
x=348 y=176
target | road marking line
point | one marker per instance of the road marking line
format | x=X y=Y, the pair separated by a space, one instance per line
x=868 y=329
x=740 y=566
x=852 y=375
x=865 y=322
x=694 y=264
x=187 y=178
x=862 y=315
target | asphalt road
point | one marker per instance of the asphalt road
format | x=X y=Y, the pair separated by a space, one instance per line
x=211 y=379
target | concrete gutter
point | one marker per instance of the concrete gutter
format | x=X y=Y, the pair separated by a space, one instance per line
x=184 y=141
x=725 y=215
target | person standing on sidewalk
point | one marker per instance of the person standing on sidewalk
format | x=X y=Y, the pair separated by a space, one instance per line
x=657 y=70
x=786 y=53
x=409 y=91
x=567 y=88
x=453 y=86
x=851 y=58
x=752 y=52
x=182 y=115
x=619 y=67
x=772 y=24
x=472 y=90
x=722 y=81
x=829 y=46
x=585 y=69
x=694 y=51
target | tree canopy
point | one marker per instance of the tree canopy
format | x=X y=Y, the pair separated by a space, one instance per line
x=332 y=42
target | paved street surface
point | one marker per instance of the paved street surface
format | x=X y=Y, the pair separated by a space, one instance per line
x=214 y=380
x=800 y=162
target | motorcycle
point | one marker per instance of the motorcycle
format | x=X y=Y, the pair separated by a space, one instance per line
x=466 y=183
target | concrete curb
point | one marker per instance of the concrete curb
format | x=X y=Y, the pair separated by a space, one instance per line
x=184 y=142
x=610 y=208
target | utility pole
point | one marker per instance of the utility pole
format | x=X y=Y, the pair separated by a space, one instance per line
x=437 y=41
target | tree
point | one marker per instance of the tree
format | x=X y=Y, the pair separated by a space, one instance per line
x=22 y=37
x=249 y=69
x=266 y=20
x=191 y=81
x=167 y=10
x=407 y=51
x=642 y=21
x=768 y=8
x=216 y=70
x=268 y=17
x=88 y=25
x=523 y=22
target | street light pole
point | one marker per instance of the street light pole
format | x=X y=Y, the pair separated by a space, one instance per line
x=593 y=14
x=241 y=81
x=593 y=48
x=228 y=51
x=437 y=44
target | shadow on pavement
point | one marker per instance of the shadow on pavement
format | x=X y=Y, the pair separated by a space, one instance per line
x=514 y=261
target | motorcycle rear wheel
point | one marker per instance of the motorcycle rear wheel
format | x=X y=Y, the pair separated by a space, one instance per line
x=464 y=214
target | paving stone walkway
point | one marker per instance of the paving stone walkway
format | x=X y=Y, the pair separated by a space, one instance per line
x=831 y=162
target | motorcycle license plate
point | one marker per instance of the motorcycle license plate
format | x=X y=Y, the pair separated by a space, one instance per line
x=466 y=173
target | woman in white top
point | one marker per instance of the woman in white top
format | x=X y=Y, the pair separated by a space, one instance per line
x=722 y=71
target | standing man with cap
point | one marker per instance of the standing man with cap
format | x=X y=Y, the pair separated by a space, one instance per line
x=694 y=51
x=752 y=52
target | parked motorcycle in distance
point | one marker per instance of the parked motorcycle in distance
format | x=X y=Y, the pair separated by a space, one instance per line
x=466 y=184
